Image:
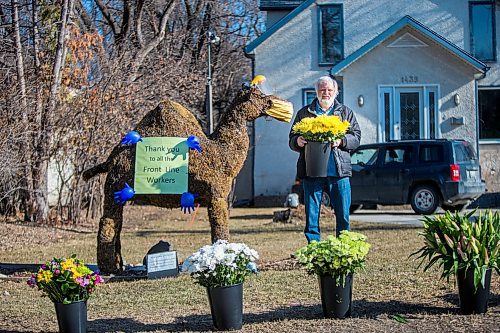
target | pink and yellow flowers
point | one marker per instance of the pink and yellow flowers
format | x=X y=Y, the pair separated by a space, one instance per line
x=65 y=280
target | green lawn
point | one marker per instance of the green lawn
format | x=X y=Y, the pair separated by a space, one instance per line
x=282 y=298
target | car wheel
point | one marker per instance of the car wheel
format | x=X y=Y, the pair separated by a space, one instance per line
x=424 y=200
x=453 y=209
x=354 y=208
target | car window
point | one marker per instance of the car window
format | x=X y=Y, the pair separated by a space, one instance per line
x=366 y=156
x=397 y=155
x=463 y=152
x=431 y=154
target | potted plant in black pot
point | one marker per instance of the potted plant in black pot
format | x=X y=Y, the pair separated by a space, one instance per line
x=319 y=132
x=466 y=246
x=222 y=268
x=68 y=283
x=334 y=261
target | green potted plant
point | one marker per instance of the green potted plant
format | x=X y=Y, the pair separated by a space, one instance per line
x=68 y=283
x=466 y=246
x=334 y=261
x=222 y=268
x=319 y=132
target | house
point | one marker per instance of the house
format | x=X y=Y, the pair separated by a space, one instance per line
x=408 y=69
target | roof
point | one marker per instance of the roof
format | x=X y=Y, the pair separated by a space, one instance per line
x=279 y=4
x=256 y=42
x=409 y=21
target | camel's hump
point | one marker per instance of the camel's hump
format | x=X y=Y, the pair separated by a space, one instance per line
x=169 y=118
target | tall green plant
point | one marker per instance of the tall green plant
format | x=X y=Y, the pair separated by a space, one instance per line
x=461 y=241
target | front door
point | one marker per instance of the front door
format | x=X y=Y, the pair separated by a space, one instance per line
x=408 y=112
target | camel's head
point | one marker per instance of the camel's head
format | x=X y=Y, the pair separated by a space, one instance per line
x=256 y=103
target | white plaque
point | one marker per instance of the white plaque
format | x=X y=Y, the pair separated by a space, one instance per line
x=163 y=263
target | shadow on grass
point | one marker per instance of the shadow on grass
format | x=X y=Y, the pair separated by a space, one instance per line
x=234 y=231
x=452 y=298
x=361 y=309
x=293 y=228
x=252 y=217
x=189 y=323
x=370 y=309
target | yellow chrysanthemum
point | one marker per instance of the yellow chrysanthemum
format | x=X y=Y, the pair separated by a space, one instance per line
x=44 y=276
x=321 y=128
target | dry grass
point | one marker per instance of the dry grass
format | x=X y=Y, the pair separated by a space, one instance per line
x=275 y=301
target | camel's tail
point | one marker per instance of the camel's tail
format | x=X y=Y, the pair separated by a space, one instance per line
x=100 y=168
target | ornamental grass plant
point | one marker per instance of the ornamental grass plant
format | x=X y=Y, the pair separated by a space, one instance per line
x=461 y=242
x=65 y=280
x=336 y=256
x=322 y=128
x=221 y=264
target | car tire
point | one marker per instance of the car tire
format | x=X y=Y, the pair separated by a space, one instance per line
x=453 y=209
x=425 y=200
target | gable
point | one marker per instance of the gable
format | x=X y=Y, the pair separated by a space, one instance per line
x=409 y=38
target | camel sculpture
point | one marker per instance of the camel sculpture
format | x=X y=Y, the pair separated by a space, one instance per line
x=211 y=172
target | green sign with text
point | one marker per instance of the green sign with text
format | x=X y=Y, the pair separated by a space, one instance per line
x=161 y=166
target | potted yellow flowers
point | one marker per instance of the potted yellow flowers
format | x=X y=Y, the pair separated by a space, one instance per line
x=68 y=283
x=319 y=132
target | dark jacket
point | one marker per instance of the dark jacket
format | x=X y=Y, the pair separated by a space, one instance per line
x=342 y=153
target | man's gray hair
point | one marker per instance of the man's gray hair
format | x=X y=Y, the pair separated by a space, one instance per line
x=328 y=79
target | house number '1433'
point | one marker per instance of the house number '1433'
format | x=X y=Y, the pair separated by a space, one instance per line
x=409 y=79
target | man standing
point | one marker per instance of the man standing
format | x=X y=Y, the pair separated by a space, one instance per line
x=339 y=165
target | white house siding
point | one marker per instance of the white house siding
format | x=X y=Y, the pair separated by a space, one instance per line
x=289 y=58
x=288 y=67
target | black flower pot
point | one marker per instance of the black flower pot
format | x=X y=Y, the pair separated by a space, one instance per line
x=336 y=300
x=72 y=318
x=226 y=305
x=471 y=300
x=317 y=155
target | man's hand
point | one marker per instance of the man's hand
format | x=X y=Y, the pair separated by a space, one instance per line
x=301 y=142
x=336 y=143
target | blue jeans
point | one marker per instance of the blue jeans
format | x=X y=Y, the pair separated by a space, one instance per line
x=339 y=190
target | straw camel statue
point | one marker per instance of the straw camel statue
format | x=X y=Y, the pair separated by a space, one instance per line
x=210 y=175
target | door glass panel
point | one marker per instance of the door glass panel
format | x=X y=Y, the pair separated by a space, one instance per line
x=387 y=116
x=432 y=115
x=410 y=115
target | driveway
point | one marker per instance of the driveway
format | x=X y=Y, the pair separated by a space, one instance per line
x=407 y=217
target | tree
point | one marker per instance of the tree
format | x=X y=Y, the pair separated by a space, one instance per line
x=75 y=76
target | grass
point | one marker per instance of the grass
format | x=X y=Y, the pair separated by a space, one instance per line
x=391 y=295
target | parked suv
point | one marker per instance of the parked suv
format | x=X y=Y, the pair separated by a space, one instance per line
x=424 y=173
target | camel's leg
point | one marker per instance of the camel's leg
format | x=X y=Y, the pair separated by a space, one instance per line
x=218 y=215
x=109 y=258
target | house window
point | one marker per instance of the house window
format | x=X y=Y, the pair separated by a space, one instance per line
x=331 y=34
x=482 y=30
x=489 y=113
x=308 y=95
